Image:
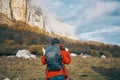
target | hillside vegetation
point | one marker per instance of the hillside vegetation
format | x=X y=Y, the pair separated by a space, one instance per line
x=15 y=35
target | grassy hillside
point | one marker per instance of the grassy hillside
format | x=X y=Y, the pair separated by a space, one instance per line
x=92 y=68
x=15 y=35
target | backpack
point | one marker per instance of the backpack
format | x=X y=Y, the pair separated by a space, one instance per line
x=53 y=57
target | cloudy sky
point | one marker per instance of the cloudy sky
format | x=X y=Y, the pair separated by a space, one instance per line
x=96 y=20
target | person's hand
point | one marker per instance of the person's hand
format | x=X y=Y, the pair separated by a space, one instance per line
x=43 y=51
x=66 y=49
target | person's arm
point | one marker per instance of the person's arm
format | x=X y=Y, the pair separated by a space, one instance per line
x=66 y=56
x=43 y=57
x=43 y=60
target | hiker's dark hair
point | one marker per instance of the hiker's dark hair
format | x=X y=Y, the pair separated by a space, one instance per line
x=55 y=41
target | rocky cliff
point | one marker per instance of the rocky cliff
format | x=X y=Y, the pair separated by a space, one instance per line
x=23 y=10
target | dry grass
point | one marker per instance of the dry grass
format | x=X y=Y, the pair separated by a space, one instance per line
x=25 y=69
x=94 y=68
x=79 y=69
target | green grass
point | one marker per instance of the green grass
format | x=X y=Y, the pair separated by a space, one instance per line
x=79 y=69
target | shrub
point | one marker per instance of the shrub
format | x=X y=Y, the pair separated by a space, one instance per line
x=9 y=42
x=94 y=52
x=3 y=27
x=36 y=49
x=9 y=49
x=108 y=54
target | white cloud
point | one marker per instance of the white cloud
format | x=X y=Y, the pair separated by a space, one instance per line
x=100 y=34
x=105 y=30
x=55 y=5
x=71 y=7
x=95 y=11
x=99 y=9
x=86 y=15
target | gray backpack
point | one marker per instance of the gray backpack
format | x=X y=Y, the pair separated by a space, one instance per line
x=53 y=57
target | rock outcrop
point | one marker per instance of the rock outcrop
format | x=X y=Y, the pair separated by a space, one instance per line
x=5 y=7
x=23 y=10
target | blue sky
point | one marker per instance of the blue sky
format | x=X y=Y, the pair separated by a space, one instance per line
x=94 y=20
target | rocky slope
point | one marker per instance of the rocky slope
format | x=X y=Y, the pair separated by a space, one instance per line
x=23 y=10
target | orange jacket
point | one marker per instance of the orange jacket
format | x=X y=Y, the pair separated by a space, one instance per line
x=66 y=59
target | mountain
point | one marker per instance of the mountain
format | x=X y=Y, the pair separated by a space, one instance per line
x=23 y=10
x=25 y=26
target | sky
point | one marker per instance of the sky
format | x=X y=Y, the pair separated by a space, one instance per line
x=94 y=20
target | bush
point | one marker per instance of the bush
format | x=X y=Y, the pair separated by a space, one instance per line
x=108 y=54
x=9 y=49
x=36 y=49
x=9 y=42
x=94 y=52
x=12 y=49
x=3 y=27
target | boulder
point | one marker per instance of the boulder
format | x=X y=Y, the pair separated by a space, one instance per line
x=103 y=56
x=73 y=54
x=6 y=79
x=25 y=54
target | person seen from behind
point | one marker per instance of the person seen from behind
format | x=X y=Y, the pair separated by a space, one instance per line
x=55 y=56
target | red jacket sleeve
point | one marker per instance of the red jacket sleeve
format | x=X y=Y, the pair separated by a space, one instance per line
x=66 y=56
x=43 y=60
